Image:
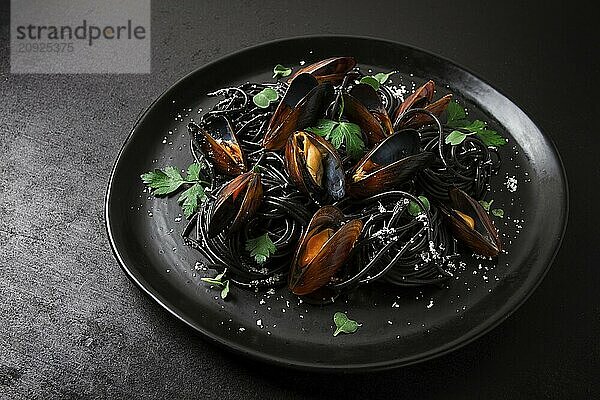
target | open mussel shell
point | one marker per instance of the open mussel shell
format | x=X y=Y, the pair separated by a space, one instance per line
x=369 y=123
x=368 y=96
x=315 y=167
x=471 y=224
x=393 y=161
x=322 y=251
x=299 y=108
x=421 y=98
x=329 y=70
x=236 y=203
x=219 y=145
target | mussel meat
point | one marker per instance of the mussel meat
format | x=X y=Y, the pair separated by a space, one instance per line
x=219 y=144
x=236 y=203
x=471 y=224
x=421 y=98
x=363 y=106
x=392 y=162
x=298 y=109
x=323 y=249
x=329 y=70
x=314 y=166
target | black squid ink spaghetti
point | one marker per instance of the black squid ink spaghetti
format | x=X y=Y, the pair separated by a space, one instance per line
x=329 y=180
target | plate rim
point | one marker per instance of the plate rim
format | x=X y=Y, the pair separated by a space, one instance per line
x=489 y=324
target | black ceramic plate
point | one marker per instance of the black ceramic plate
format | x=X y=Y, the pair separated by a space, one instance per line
x=399 y=326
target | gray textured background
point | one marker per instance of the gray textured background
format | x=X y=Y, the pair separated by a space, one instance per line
x=73 y=326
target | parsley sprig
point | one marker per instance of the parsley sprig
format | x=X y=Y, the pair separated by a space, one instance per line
x=496 y=212
x=261 y=248
x=220 y=283
x=414 y=209
x=457 y=119
x=344 y=324
x=265 y=97
x=280 y=70
x=338 y=133
x=376 y=80
x=169 y=180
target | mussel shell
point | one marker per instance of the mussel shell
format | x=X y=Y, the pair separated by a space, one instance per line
x=369 y=125
x=334 y=253
x=368 y=96
x=236 y=203
x=299 y=109
x=328 y=70
x=483 y=239
x=399 y=158
x=210 y=137
x=334 y=183
x=419 y=99
x=436 y=108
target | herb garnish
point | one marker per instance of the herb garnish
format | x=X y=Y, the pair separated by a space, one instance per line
x=376 y=80
x=168 y=180
x=280 y=70
x=498 y=212
x=344 y=324
x=265 y=97
x=339 y=133
x=486 y=204
x=414 y=209
x=457 y=119
x=219 y=282
x=261 y=248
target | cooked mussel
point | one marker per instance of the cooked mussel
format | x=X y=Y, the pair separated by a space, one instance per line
x=236 y=203
x=421 y=98
x=393 y=161
x=314 y=166
x=299 y=108
x=471 y=224
x=219 y=144
x=329 y=70
x=363 y=106
x=322 y=250
x=368 y=96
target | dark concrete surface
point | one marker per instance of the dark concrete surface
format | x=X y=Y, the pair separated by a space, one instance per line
x=72 y=325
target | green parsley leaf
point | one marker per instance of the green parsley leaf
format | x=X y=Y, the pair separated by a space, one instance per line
x=218 y=282
x=265 y=97
x=212 y=281
x=221 y=275
x=193 y=171
x=383 y=77
x=498 y=212
x=475 y=126
x=344 y=324
x=349 y=134
x=486 y=204
x=167 y=181
x=339 y=133
x=376 y=80
x=261 y=248
x=191 y=199
x=370 y=80
x=225 y=290
x=491 y=138
x=414 y=209
x=323 y=127
x=455 y=138
x=164 y=181
x=280 y=70
x=457 y=117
